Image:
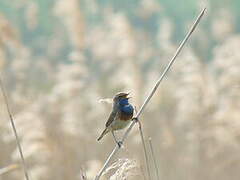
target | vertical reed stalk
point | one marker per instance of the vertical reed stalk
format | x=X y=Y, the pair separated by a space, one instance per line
x=145 y=150
x=154 y=158
x=14 y=130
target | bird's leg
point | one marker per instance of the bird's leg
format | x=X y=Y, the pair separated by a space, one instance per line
x=119 y=143
x=135 y=118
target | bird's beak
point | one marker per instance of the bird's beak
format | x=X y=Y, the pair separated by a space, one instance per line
x=128 y=93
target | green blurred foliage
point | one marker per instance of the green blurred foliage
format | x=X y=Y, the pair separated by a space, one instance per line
x=179 y=12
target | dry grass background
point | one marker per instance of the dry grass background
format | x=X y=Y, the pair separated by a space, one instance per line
x=54 y=92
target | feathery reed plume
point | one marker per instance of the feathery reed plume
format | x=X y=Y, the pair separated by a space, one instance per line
x=135 y=119
x=8 y=168
x=154 y=157
x=14 y=130
x=125 y=168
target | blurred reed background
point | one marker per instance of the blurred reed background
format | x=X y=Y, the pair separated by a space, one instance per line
x=59 y=57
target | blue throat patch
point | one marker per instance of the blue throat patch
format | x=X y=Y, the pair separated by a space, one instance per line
x=125 y=107
x=123 y=102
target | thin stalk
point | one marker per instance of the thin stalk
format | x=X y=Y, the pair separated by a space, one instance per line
x=145 y=150
x=154 y=158
x=115 y=150
x=14 y=130
x=144 y=146
x=143 y=173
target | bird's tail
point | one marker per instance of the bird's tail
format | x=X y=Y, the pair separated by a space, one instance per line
x=103 y=133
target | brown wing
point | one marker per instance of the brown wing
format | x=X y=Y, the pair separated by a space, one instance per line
x=111 y=118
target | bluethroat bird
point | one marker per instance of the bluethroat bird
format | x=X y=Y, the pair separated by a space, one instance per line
x=120 y=117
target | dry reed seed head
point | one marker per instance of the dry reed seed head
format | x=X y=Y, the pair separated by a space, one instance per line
x=31 y=15
x=226 y=63
x=92 y=167
x=148 y=8
x=21 y=63
x=71 y=79
x=223 y=25
x=114 y=48
x=32 y=137
x=101 y=51
x=2 y=59
x=124 y=169
x=122 y=33
x=191 y=95
x=71 y=15
x=227 y=50
x=164 y=35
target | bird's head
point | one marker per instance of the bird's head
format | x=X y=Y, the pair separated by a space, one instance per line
x=119 y=96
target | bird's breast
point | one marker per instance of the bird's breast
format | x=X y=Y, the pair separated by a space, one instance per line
x=120 y=124
x=125 y=116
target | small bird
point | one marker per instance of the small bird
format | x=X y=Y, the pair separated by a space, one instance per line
x=121 y=115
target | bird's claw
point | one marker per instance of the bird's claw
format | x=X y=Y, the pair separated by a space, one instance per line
x=135 y=119
x=119 y=143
